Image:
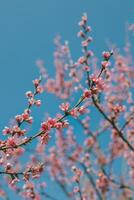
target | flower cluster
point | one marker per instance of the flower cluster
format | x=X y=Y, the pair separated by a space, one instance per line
x=46 y=126
x=102 y=182
x=86 y=40
x=77 y=174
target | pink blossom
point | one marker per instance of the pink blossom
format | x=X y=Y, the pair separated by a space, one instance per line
x=81 y=110
x=64 y=106
x=88 y=29
x=86 y=68
x=80 y=34
x=74 y=112
x=19 y=118
x=45 y=138
x=81 y=60
x=106 y=54
x=6 y=130
x=84 y=17
x=87 y=93
x=31 y=102
x=45 y=126
x=11 y=142
x=65 y=124
x=89 y=142
x=81 y=23
x=86 y=42
x=51 y=122
x=39 y=89
x=29 y=94
x=8 y=166
x=38 y=102
x=105 y=64
x=102 y=182
x=36 y=82
x=58 y=125
x=14 y=181
x=30 y=120
x=25 y=115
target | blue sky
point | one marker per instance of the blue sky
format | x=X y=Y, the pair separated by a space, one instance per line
x=27 y=30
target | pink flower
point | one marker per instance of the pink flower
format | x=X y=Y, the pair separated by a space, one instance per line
x=30 y=120
x=51 y=122
x=29 y=94
x=90 y=53
x=87 y=93
x=74 y=113
x=81 y=60
x=81 y=23
x=14 y=181
x=25 y=116
x=45 y=138
x=88 y=29
x=80 y=34
x=58 y=125
x=102 y=182
x=45 y=126
x=26 y=176
x=84 y=43
x=89 y=142
x=11 y=142
x=64 y=107
x=8 y=166
x=19 y=118
x=65 y=124
x=81 y=110
x=39 y=89
x=86 y=68
x=77 y=174
x=38 y=102
x=6 y=130
x=98 y=84
x=84 y=17
x=31 y=101
x=36 y=82
x=105 y=64
x=106 y=54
